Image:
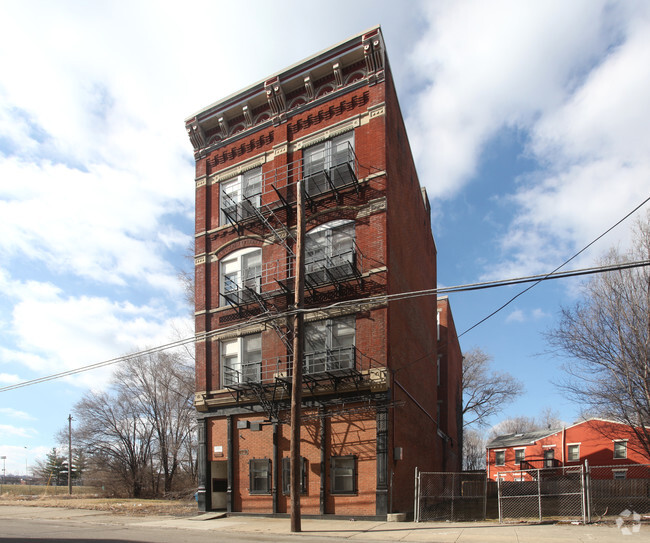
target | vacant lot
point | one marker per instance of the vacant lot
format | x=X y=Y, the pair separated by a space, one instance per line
x=89 y=498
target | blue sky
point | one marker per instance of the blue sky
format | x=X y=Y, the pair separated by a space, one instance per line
x=528 y=121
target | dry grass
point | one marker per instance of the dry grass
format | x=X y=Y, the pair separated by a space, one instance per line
x=175 y=508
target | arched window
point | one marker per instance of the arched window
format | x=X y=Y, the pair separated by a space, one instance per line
x=240 y=276
x=330 y=253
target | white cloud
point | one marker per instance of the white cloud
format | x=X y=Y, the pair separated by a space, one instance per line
x=573 y=80
x=54 y=332
x=516 y=316
x=8 y=378
x=15 y=413
x=16 y=431
x=526 y=315
x=483 y=69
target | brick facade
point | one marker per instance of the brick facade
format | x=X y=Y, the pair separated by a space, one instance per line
x=370 y=396
x=591 y=441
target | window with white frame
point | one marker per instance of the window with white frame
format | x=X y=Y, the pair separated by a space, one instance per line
x=330 y=252
x=620 y=449
x=329 y=345
x=240 y=196
x=573 y=452
x=241 y=359
x=520 y=455
x=329 y=165
x=241 y=276
x=343 y=474
x=499 y=458
x=619 y=473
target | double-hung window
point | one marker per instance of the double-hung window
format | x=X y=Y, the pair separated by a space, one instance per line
x=329 y=345
x=343 y=474
x=260 y=476
x=241 y=276
x=573 y=452
x=520 y=455
x=286 y=475
x=330 y=252
x=241 y=196
x=499 y=458
x=620 y=449
x=241 y=360
x=330 y=164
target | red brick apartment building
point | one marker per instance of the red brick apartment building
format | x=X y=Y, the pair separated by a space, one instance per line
x=372 y=402
x=595 y=441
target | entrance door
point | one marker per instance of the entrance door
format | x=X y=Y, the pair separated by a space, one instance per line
x=219 y=483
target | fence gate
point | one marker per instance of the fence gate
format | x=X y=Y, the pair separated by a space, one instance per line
x=542 y=493
x=450 y=496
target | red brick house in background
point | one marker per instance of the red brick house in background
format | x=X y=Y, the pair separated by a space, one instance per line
x=376 y=401
x=595 y=441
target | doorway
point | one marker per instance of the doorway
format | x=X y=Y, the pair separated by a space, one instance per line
x=219 y=484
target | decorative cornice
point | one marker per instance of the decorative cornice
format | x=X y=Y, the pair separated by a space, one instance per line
x=355 y=62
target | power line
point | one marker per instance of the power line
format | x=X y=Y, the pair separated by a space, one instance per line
x=556 y=269
x=368 y=300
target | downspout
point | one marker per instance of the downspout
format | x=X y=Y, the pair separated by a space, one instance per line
x=563 y=444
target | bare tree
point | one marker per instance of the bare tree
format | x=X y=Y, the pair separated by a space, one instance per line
x=473 y=449
x=162 y=388
x=513 y=425
x=186 y=277
x=112 y=430
x=607 y=336
x=485 y=391
x=140 y=428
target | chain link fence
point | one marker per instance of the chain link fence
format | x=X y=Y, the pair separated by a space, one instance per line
x=613 y=490
x=547 y=493
x=450 y=496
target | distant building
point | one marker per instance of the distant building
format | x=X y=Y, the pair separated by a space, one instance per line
x=449 y=379
x=377 y=400
x=595 y=441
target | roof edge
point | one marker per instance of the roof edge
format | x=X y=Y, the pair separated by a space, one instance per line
x=259 y=85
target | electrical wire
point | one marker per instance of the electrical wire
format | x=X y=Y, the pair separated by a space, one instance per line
x=556 y=269
x=381 y=299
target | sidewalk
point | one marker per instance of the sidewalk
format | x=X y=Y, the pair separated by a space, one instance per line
x=361 y=530
x=460 y=532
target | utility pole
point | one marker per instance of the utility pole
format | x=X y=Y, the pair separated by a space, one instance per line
x=70 y=455
x=298 y=347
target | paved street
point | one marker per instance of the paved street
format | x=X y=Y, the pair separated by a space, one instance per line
x=20 y=523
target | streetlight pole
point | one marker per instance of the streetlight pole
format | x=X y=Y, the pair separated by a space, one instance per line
x=4 y=469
